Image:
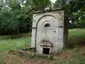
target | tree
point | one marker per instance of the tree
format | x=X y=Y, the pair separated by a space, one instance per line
x=72 y=8
x=15 y=18
x=16 y=15
x=8 y=22
x=40 y=5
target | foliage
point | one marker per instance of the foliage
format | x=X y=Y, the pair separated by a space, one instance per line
x=8 y=21
x=16 y=15
x=14 y=18
x=75 y=10
x=40 y=5
x=80 y=18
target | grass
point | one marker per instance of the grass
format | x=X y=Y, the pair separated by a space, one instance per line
x=76 y=33
x=7 y=43
x=76 y=38
x=24 y=40
x=74 y=53
x=72 y=56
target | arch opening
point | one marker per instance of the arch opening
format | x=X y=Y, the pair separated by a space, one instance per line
x=47 y=25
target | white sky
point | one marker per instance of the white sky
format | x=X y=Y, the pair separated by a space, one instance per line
x=53 y=1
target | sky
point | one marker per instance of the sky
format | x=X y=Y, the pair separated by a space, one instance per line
x=53 y=1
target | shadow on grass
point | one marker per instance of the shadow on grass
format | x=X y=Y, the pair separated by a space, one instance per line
x=16 y=36
x=75 y=43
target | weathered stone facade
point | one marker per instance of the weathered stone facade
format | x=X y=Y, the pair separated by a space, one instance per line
x=48 y=32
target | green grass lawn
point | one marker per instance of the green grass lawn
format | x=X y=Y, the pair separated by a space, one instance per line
x=76 y=38
x=76 y=33
x=7 y=43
